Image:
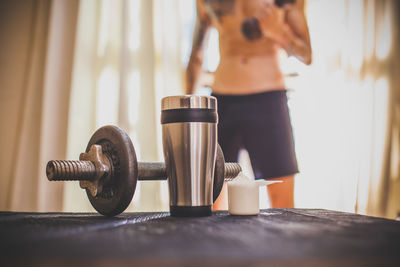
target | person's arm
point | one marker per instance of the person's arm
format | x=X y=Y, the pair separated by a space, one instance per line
x=194 y=68
x=291 y=34
x=298 y=43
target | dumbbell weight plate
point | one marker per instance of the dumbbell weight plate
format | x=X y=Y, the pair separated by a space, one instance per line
x=118 y=192
x=219 y=173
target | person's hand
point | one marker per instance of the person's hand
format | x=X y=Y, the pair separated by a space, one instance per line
x=271 y=23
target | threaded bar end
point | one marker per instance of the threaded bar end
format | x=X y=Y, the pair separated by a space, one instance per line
x=232 y=169
x=70 y=170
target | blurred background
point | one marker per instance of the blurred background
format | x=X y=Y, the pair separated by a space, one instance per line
x=70 y=67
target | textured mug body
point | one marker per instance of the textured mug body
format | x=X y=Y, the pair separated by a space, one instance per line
x=189 y=132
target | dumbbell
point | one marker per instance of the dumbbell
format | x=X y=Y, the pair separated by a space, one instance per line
x=109 y=171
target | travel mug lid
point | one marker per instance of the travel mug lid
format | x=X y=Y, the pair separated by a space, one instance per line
x=188 y=102
x=189 y=108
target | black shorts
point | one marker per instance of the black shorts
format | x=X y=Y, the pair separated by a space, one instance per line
x=259 y=123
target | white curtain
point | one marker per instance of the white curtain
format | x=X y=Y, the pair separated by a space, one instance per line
x=126 y=55
x=129 y=54
x=342 y=107
x=37 y=45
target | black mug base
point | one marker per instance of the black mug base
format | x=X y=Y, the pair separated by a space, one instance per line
x=190 y=211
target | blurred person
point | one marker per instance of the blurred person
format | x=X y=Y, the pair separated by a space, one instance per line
x=249 y=84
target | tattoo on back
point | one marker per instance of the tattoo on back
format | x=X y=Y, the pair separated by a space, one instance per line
x=221 y=7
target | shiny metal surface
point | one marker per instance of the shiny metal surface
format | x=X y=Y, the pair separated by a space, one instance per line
x=188 y=101
x=190 y=151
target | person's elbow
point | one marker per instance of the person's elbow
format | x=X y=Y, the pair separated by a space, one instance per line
x=307 y=58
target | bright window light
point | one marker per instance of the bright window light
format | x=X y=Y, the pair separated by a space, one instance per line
x=107 y=97
x=134 y=24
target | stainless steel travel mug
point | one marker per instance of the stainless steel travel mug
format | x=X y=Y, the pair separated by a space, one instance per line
x=189 y=131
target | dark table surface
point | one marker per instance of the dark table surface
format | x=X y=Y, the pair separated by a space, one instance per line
x=293 y=237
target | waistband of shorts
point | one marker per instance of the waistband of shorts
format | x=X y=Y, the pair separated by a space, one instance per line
x=253 y=96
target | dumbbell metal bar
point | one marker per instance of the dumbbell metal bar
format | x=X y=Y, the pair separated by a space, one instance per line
x=149 y=171
x=70 y=170
x=77 y=170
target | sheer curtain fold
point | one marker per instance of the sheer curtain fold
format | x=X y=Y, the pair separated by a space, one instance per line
x=353 y=84
x=381 y=65
x=127 y=58
x=37 y=45
x=389 y=192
